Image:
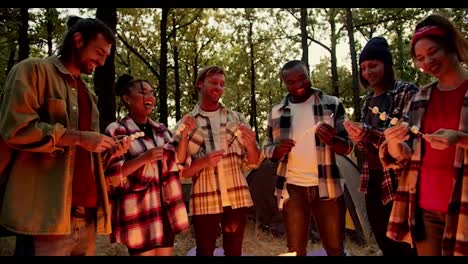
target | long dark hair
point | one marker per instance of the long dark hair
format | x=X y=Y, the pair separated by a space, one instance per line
x=89 y=29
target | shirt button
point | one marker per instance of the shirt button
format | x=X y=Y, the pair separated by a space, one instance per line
x=73 y=89
x=74 y=108
x=412 y=190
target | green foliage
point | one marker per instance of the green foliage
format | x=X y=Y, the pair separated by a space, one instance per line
x=321 y=79
x=220 y=36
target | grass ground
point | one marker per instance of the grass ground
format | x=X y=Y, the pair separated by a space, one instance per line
x=256 y=243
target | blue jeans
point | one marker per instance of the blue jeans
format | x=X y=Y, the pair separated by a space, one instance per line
x=329 y=216
x=81 y=241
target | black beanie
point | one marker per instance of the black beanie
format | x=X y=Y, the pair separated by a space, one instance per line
x=376 y=49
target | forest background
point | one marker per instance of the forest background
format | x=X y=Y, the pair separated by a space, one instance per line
x=168 y=46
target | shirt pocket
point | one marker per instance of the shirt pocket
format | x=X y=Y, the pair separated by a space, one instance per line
x=56 y=111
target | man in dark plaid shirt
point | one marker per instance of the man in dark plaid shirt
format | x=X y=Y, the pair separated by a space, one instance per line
x=304 y=132
x=389 y=97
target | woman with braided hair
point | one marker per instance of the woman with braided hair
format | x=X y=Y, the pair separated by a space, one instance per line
x=145 y=190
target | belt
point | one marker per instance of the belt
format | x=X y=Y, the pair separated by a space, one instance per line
x=83 y=212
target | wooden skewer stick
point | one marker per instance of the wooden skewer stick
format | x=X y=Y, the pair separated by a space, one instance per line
x=413 y=129
x=124 y=137
x=236 y=134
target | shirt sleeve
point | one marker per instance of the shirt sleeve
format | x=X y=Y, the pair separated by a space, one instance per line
x=268 y=144
x=113 y=171
x=22 y=113
x=247 y=164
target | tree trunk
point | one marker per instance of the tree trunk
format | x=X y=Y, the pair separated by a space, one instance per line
x=51 y=16
x=354 y=66
x=194 y=97
x=304 y=34
x=253 y=101
x=163 y=114
x=23 y=39
x=177 y=98
x=334 y=67
x=400 y=61
x=104 y=76
x=11 y=56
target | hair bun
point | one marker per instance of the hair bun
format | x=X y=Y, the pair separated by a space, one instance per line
x=122 y=81
x=72 y=21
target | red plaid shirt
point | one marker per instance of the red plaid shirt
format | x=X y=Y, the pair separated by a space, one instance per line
x=402 y=218
x=135 y=199
x=400 y=96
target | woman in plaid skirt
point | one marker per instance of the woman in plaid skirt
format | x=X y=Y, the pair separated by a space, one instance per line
x=145 y=190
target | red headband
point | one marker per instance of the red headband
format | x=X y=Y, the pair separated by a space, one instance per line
x=427 y=31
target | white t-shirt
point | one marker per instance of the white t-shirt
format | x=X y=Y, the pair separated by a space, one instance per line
x=302 y=167
x=215 y=120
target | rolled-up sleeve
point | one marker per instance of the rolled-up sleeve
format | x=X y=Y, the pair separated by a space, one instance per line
x=113 y=172
x=268 y=144
x=248 y=165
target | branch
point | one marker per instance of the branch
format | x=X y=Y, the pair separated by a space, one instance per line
x=387 y=19
x=145 y=61
x=319 y=43
x=185 y=24
x=291 y=11
x=122 y=60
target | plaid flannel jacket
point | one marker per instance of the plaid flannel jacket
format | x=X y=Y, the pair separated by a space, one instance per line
x=400 y=96
x=136 y=199
x=206 y=195
x=402 y=219
x=279 y=128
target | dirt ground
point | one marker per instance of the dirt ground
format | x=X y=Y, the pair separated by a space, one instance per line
x=256 y=243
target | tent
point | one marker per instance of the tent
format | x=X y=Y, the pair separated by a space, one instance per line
x=262 y=184
x=264 y=211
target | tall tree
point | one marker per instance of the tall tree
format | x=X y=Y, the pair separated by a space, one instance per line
x=104 y=76
x=332 y=13
x=330 y=16
x=163 y=113
x=175 y=50
x=354 y=66
x=304 y=44
x=253 y=101
x=180 y=21
x=23 y=39
x=51 y=15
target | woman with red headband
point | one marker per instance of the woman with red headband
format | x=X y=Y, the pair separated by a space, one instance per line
x=431 y=204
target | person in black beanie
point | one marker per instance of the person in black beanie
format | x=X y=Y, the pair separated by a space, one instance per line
x=388 y=95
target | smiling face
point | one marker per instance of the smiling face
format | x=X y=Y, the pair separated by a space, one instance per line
x=140 y=99
x=212 y=88
x=92 y=54
x=431 y=57
x=297 y=82
x=373 y=72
